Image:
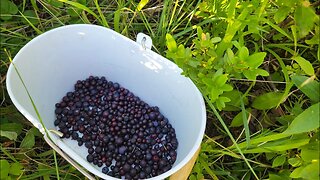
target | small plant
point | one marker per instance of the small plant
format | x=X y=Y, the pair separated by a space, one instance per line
x=212 y=72
x=256 y=42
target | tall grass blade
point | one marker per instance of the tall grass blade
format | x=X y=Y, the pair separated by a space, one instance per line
x=82 y=7
x=35 y=28
x=245 y=121
x=36 y=111
x=103 y=19
x=230 y=135
x=289 y=83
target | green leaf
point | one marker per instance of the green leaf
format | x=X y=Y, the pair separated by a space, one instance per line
x=7 y=8
x=82 y=7
x=35 y=131
x=84 y=2
x=34 y=4
x=308 y=86
x=295 y=162
x=278 y=177
x=279 y=145
x=267 y=100
x=279 y=161
x=238 y=120
x=116 y=20
x=282 y=13
x=28 y=141
x=314 y=40
x=9 y=134
x=304 y=17
x=56 y=3
x=192 y=177
x=14 y=127
x=31 y=15
x=220 y=103
x=297 y=109
x=199 y=32
x=171 y=43
x=194 y=63
x=310 y=152
x=16 y=169
x=141 y=4
x=214 y=94
x=215 y=40
x=5 y=168
x=261 y=72
x=205 y=165
x=224 y=99
x=296 y=173
x=270 y=155
x=234 y=104
x=73 y=12
x=306 y=121
x=243 y=53
x=220 y=80
x=276 y=27
x=305 y=65
x=255 y=60
x=250 y=74
x=230 y=54
x=311 y=171
x=226 y=87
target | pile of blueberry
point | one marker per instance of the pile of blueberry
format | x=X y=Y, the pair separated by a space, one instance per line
x=122 y=134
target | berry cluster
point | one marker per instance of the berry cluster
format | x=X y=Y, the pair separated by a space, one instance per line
x=123 y=134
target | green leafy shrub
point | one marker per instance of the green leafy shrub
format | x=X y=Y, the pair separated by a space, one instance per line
x=258 y=41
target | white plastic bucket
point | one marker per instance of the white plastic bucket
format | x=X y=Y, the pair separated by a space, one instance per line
x=51 y=63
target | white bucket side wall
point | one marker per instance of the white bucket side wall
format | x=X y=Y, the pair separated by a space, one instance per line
x=67 y=55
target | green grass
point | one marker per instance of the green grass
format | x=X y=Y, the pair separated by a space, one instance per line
x=256 y=64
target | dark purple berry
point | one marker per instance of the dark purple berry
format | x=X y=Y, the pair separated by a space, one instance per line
x=122 y=150
x=105 y=170
x=90 y=158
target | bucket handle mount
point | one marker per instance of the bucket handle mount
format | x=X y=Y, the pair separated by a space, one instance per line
x=144 y=40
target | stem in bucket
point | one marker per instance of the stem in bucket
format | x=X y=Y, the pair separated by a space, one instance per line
x=35 y=109
x=229 y=134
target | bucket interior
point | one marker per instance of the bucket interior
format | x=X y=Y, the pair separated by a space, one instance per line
x=51 y=64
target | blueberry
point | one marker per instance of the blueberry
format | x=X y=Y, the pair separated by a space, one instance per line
x=118 y=140
x=90 y=158
x=152 y=115
x=142 y=175
x=155 y=158
x=148 y=170
x=90 y=150
x=105 y=170
x=75 y=135
x=98 y=150
x=58 y=111
x=56 y=122
x=148 y=156
x=126 y=167
x=122 y=150
x=133 y=172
